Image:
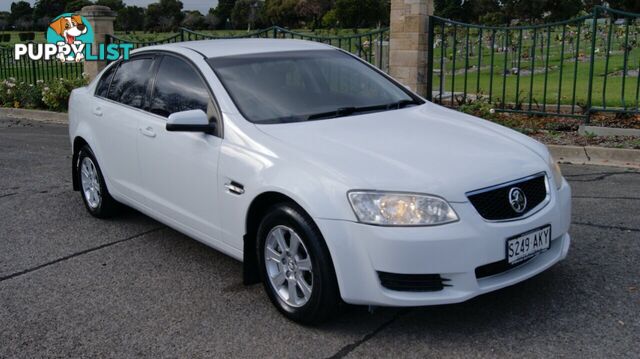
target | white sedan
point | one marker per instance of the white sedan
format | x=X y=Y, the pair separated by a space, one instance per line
x=327 y=178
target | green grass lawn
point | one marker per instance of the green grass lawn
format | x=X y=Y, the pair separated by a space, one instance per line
x=557 y=88
x=551 y=58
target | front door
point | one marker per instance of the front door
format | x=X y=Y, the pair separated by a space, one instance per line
x=179 y=169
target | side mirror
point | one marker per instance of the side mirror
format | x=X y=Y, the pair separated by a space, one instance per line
x=190 y=121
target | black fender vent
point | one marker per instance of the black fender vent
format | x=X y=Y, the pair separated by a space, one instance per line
x=413 y=282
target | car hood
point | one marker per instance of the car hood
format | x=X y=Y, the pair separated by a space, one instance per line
x=426 y=149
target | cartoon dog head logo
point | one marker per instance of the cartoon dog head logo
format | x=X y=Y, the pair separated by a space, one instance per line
x=70 y=29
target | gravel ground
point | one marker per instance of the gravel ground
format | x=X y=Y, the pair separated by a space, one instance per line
x=72 y=285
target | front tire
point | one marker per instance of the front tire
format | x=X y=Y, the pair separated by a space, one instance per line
x=93 y=188
x=295 y=265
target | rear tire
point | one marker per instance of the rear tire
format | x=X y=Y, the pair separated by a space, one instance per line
x=295 y=265
x=93 y=189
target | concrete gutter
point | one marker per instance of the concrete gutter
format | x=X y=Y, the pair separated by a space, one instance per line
x=35 y=115
x=563 y=154
x=596 y=155
x=608 y=131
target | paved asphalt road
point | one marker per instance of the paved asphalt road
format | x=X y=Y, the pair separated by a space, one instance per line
x=72 y=285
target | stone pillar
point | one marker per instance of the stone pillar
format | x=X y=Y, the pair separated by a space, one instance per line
x=408 y=42
x=101 y=19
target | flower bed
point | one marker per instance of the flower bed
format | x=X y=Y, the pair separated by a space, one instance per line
x=52 y=95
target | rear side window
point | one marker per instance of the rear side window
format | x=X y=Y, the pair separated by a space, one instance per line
x=102 y=89
x=129 y=85
x=179 y=87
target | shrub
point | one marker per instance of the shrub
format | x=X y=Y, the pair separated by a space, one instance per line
x=21 y=94
x=55 y=94
x=479 y=108
x=26 y=36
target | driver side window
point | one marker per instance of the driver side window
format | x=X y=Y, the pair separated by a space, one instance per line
x=179 y=87
x=129 y=85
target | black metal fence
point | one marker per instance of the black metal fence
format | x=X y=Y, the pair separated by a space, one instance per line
x=372 y=46
x=571 y=68
x=27 y=70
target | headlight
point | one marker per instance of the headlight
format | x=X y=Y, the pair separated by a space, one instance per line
x=555 y=171
x=400 y=209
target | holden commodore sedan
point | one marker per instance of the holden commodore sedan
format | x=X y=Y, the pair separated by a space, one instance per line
x=328 y=179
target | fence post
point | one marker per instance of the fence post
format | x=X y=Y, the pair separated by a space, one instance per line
x=101 y=20
x=34 y=72
x=408 y=51
x=592 y=62
x=430 y=42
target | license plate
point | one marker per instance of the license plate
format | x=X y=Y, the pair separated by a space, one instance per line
x=528 y=245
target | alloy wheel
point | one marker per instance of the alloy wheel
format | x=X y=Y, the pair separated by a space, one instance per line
x=288 y=266
x=90 y=183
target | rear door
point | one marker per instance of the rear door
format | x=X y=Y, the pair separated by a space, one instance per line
x=179 y=169
x=122 y=94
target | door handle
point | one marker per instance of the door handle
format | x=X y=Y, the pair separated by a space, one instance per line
x=97 y=111
x=148 y=131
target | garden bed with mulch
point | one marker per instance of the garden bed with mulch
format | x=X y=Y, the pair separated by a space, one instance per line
x=564 y=131
x=575 y=139
x=553 y=130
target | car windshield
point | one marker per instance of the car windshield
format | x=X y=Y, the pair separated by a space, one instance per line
x=297 y=86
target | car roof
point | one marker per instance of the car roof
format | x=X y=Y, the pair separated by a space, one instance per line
x=231 y=47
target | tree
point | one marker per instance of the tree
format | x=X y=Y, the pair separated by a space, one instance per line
x=223 y=11
x=487 y=12
x=626 y=5
x=76 y=5
x=329 y=19
x=193 y=20
x=115 y=5
x=21 y=11
x=527 y=10
x=562 y=9
x=165 y=15
x=360 y=13
x=129 y=18
x=4 y=20
x=211 y=21
x=282 y=12
x=312 y=11
x=246 y=13
x=48 y=9
x=460 y=10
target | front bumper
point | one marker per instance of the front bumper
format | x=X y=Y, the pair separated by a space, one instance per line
x=454 y=251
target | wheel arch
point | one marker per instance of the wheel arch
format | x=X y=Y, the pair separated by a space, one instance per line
x=78 y=143
x=256 y=211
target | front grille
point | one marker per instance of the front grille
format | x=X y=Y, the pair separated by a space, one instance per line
x=413 y=282
x=498 y=267
x=493 y=203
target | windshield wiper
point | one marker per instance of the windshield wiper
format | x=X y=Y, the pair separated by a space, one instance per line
x=342 y=111
x=402 y=104
x=346 y=111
